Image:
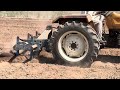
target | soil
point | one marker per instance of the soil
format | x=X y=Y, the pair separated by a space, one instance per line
x=45 y=68
x=106 y=66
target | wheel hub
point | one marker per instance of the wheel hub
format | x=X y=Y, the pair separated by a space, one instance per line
x=73 y=46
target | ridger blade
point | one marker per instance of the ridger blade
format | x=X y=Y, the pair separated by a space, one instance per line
x=31 y=44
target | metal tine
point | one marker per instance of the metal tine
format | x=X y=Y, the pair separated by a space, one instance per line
x=18 y=39
x=37 y=34
x=28 y=36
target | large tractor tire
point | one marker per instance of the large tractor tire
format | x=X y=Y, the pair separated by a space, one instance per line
x=74 y=44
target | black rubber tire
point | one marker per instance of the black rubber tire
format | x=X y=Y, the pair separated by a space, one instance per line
x=87 y=31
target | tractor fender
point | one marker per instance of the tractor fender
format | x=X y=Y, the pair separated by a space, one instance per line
x=86 y=18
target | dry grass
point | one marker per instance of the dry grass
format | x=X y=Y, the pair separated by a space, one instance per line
x=36 y=14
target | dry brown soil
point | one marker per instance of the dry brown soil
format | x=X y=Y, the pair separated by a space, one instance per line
x=107 y=65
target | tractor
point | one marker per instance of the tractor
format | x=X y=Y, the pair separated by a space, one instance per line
x=74 y=41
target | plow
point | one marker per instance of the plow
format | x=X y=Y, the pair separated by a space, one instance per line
x=32 y=44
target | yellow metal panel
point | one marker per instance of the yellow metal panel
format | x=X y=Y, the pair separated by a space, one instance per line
x=113 y=21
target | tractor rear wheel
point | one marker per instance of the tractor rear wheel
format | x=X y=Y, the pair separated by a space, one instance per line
x=74 y=44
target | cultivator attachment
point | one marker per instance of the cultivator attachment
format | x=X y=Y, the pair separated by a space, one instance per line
x=31 y=44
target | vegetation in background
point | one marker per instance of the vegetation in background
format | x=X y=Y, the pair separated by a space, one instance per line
x=36 y=14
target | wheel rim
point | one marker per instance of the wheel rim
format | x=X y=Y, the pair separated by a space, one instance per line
x=73 y=46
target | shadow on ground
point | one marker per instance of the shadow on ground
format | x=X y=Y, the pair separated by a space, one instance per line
x=102 y=58
x=108 y=58
x=46 y=57
x=43 y=59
